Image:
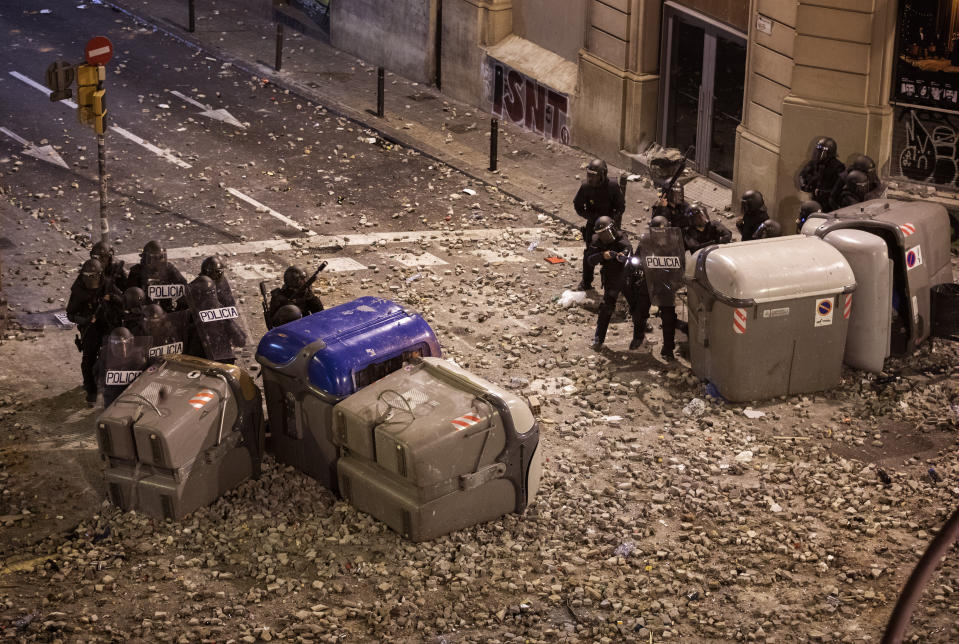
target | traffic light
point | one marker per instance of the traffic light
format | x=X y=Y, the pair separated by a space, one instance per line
x=90 y=105
x=99 y=111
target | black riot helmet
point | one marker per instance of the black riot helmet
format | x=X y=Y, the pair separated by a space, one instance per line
x=606 y=230
x=294 y=277
x=153 y=254
x=286 y=313
x=203 y=288
x=659 y=222
x=767 y=229
x=752 y=202
x=133 y=298
x=867 y=166
x=806 y=209
x=91 y=274
x=857 y=183
x=212 y=267
x=698 y=216
x=596 y=173
x=825 y=149
x=153 y=313
x=102 y=252
x=676 y=194
x=121 y=341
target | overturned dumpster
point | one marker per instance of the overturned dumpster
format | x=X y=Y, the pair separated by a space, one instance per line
x=432 y=448
x=899 y=252
x=181 y=435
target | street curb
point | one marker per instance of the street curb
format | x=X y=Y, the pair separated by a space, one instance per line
x=344 y=111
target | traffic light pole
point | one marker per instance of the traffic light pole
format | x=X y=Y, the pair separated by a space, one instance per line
x=102 y=166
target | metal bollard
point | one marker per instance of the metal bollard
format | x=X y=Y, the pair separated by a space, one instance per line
x=493 y=139
x=191 y=6
x=380 y=90
x=279 y=46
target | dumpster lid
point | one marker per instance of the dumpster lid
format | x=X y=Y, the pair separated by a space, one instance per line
x=768 y=270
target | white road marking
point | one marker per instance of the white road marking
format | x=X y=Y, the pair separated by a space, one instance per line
x=219 y=114
x=44 y=152
x=411 y=260
x=344 y=241
x=343 y=265
x=256 y=272
x=497 y=257
x=256 y=204
x=165 y=154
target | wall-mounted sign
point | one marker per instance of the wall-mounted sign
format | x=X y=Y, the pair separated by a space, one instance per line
x=927 y=58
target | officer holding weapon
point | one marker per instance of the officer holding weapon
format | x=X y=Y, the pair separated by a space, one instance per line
x=89 y=296
x=821 y=173
x=297 y=290
x=597 y=197
x=610 y=248
x=672 y=198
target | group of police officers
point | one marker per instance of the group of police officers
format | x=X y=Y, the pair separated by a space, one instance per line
x=125 y=320
x=651 y=274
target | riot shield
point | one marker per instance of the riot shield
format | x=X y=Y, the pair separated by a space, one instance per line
x=663 y=254
x=160 y=285
x=123 y=360
x=217 y=329
x=168 y=334
x=224 y=293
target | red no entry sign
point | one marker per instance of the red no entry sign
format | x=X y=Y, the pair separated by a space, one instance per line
x=99 y=50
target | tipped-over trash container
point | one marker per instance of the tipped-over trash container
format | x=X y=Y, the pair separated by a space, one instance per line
x=769 y=317
x=311 y=364
x=432 y=448
x=180 y=436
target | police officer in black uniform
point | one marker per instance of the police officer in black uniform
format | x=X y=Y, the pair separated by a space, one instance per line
x=806 y=210
x=864 y=164
x=154 y=269
x=610 y=248
x=854 y=191
x=672 y=205
x=89 y=295
x=821 y=173
x=214 y=267
x=293 y=292
x=703 y=231
x=768 y=229
x=598 y=196
x=753 y=208
x=113 y=269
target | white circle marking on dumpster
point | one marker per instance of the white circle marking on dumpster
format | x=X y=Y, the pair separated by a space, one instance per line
x=739 y=320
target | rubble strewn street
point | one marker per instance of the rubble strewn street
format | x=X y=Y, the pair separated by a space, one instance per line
x=665 y=512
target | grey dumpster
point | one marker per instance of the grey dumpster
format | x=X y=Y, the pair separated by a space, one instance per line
x=432 y=448
x=769 y=317
x=916 y=235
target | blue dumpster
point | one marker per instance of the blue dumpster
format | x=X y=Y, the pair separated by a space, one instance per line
x=311 y=364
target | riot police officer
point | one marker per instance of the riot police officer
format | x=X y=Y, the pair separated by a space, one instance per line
x=88 y=297
x=821 y=173
x=159 y=279
x=611 y=249
x=123 y=358
x=216 y=330
x=113 y=269
x=806 y=210
x=768 y=229
x=673 y=207
x=286 y=314
x=214 y=267
x=659 y=281
x=855 y=189
x=703 y=231
x=133 y=301
x=598 y=196
x=295 y=291
x=753 y=208
x=864 y=164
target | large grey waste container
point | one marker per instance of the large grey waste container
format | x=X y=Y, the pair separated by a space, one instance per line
x=432 y=448
x=769 y=317
x=916 y=235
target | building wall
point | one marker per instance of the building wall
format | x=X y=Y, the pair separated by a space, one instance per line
x=731 y=12
x=398 y=35
x=556 y=25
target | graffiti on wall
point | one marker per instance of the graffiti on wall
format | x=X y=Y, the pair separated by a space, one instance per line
x=527 y=103
x=925 y=146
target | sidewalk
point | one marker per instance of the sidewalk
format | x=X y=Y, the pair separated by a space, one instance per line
x=542 y=173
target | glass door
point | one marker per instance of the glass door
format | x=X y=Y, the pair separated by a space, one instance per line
x=704 y=65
